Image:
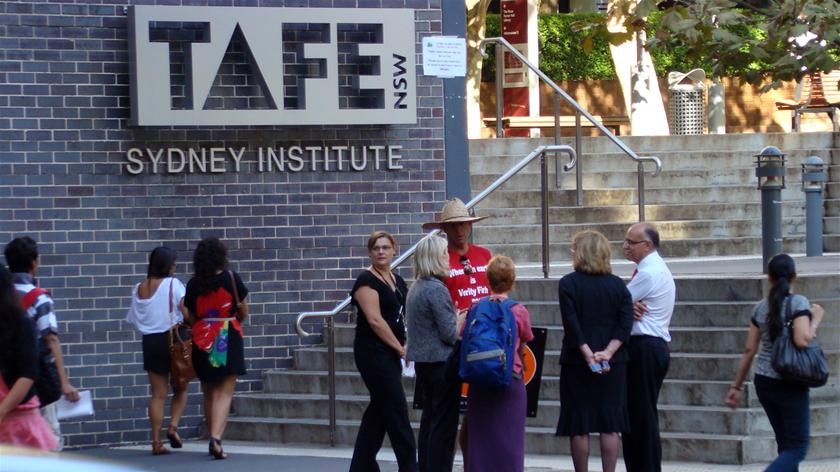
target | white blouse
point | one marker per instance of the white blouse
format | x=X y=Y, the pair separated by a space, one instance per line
x=152 y=315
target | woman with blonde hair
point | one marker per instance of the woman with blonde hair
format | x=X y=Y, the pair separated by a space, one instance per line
x=597 y=317
x=433 y=328
x=379 y=297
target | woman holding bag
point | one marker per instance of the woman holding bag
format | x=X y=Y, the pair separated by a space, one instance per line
x=154 y=311
x=784 y=401
x=215 y=303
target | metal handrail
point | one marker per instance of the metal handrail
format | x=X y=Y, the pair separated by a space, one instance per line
x=329 y=316
x=579 y=111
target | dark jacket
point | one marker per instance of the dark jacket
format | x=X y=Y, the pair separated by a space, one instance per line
x=595 y=309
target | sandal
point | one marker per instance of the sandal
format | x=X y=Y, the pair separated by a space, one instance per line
x=158 y=448
x=174 y=439
x=217 y=453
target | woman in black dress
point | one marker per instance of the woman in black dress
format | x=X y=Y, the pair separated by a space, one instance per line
x=597 y=318
x=379 y=298
x=218 y=351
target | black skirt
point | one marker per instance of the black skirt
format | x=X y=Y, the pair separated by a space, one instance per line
x=235 y=360
x=592 y=403
x=156 y=352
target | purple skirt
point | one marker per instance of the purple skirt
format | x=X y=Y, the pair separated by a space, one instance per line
x=496 y=428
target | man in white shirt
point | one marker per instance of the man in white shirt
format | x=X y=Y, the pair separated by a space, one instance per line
x=653 y=291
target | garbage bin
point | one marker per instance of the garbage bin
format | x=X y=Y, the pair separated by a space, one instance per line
x=687 y=103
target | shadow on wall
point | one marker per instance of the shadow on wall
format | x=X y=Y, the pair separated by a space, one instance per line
x=747 y=110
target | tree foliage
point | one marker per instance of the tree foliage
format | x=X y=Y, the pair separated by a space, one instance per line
x=723 y=32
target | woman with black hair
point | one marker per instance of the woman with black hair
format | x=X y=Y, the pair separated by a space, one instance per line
x=21 y=423
x=155 y=304
x=785 y=402
x=218 y=347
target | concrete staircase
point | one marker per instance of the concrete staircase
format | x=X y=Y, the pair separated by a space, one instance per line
x=709 y=329
x=705 y=202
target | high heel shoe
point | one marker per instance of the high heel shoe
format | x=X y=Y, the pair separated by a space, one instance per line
x=217 y=452
x=158 y=449
x=174 y=439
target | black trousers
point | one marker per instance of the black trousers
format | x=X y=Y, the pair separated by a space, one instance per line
x=387 y=412
x=649 y=359
x=439 y=422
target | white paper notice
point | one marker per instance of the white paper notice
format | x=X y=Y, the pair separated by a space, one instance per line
x=445 y=56
x=67 y=409
x=407 y=368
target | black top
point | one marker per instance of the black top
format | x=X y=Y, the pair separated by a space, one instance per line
x=219 y=280
x=20 y=358
x=391 y=306
x=596 y=309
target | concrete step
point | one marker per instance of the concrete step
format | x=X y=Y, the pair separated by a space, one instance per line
x=668 y=230
x=629 y=213
x=688 y=314
x=708 y=340
x=503 y=198
x=706 y=289
x=684 y=366
x=530 y=178
x=703 y=161
x=700 y=247
x=672 y=418
x=698 y=447
x=725 y=145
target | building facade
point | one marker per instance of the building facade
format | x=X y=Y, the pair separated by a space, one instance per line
x=131 y=124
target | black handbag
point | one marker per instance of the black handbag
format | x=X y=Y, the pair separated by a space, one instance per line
x=807 y=366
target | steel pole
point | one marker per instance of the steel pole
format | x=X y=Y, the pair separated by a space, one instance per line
x=813 y=222
x=771 y=224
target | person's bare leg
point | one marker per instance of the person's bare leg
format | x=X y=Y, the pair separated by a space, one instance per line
x=222 y=396
x=160 y=388
x=179 y=404
x=580 y=452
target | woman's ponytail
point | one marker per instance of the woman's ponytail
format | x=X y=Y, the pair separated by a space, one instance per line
x=782 y=271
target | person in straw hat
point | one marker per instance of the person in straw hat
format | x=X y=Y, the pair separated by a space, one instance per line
x=467 y=280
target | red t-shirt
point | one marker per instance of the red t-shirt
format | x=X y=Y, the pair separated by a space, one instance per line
x=466 y=289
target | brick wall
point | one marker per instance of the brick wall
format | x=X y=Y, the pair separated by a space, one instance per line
x=296 y=238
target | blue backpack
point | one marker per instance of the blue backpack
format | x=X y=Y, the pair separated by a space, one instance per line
x=487 y=346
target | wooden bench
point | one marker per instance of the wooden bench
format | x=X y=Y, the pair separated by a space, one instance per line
x=822 y=95
x=614 y=123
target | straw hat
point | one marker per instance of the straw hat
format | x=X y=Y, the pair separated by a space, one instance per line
x=454 y=211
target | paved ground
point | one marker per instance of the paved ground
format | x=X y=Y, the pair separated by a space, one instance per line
x=247 y=457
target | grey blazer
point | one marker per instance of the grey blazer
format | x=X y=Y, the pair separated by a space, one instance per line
x=430 y=321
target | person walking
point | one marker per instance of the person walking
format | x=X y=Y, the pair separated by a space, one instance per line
x=496 y=416
x=597 y=317
x=653 y=292
x=785 y=402
x=154 y=311
x=23 y=260
x=379 y=298
x=218 y=338
x=433 y=328
x=20 y=422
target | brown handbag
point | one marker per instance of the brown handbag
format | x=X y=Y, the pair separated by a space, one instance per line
x=181 y=369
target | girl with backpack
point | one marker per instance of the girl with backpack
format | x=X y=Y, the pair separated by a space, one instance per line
x=496 y=416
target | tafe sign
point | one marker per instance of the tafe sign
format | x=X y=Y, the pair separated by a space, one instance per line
x=391 y=78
